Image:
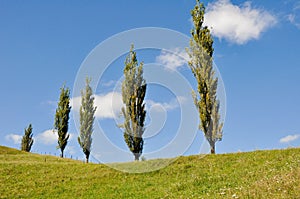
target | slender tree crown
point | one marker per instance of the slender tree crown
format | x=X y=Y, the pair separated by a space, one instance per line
x=201 y=63
x=62 y=119
x=87 y=112
x=133 y=94
x=27 y=139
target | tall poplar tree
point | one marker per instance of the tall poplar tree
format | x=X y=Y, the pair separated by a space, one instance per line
x=133 y=94
x=201 y=63
x=87 y=112
x=62 y=119
x=27 y=139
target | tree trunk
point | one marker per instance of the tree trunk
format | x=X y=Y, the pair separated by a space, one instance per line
x=87 y=159
x=62 y=154
x=212 y=148
x=137 y=156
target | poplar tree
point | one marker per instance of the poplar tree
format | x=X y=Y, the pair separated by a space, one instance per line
x=27 y=139
x=62 y=119
x=201 y=63
x=87 y=111
x=133 y=94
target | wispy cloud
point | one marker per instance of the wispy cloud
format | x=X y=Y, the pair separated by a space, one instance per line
x=15 y=138
x=289 y=138
x=108 y=105
x=237 y=24
x=296 y=6
x=108 y=83
x=294 y=16
x=292 y=19
x=173 y=59
x=50 y=102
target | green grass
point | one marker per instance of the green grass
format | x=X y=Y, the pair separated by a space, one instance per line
x=259 y=174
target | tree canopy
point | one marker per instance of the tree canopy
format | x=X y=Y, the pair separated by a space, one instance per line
x=61 y=123
x=27 y=140
x=201 y=63
x=87 y=111
x=133 y=94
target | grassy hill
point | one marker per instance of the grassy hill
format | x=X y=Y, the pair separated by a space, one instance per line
x=259 y=174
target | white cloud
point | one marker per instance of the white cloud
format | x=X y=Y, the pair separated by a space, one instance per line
x=181 y=99
x=173 y=59
x=16 y=139
x=108 y=105
x=75 y=103
x=289 y=138
x=48 y=137
x=109 y=83
x=237 y=24
x=167 y=106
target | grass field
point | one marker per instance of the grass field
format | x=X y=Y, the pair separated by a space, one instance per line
x=259 y=174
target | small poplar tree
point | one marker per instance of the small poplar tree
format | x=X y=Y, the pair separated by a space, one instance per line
x=133 y=94
x=87 y=111
x=27 y=139
x=201 y=63
x=62 y=119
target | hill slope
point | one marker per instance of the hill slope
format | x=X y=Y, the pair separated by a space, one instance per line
x=259 y=174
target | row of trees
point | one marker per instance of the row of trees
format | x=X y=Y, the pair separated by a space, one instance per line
x=61 y=122
x=87 y=111
x=133 y=94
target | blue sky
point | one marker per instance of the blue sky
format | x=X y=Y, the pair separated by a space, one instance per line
x=44 y=44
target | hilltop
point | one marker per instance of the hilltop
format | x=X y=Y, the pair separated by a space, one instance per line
x=258 y=174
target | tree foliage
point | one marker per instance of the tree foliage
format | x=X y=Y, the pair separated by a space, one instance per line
x=27 y=139
x=201 y=63
x=62 y=119
x=87 y=111
x=133 y=94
